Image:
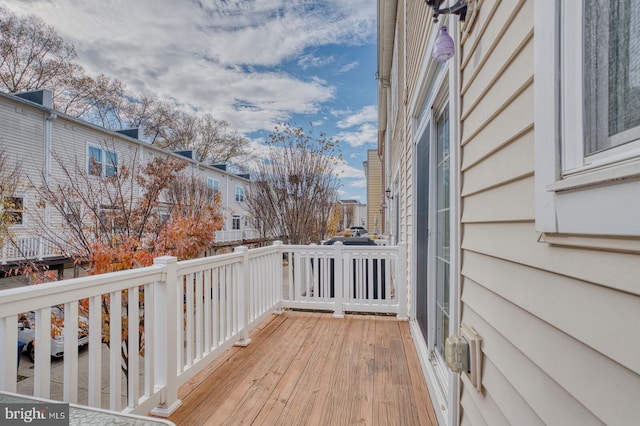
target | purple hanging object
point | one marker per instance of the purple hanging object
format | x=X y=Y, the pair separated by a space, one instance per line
x=444 y=47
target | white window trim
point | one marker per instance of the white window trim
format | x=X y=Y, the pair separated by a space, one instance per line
x=103 y=163
x=213 y=183
x=575 y=195
x=242 y=194
x=233 y=221
x=23 y=224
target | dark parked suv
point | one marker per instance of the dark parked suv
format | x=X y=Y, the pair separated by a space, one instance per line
x=371 y=283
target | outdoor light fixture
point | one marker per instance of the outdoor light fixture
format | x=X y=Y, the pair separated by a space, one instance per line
x=388 y=194
x=460 y=9
x=444 y=48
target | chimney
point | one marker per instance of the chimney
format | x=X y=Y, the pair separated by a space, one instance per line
x=132 y=133
x=187 y=153
x=42 y=97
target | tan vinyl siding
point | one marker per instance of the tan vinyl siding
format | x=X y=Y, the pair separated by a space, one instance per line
x=23 y=135
x=375 y=193
x=22 y=140
x=555 y=321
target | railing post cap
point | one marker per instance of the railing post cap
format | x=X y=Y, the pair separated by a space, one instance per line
x=278 y=243
x=164 y=260
x=241 y=249
x=338 y=243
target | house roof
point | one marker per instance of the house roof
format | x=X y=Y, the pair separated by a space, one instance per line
x=126 y=135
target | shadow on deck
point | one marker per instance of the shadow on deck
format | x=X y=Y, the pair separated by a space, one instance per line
x=311 y=368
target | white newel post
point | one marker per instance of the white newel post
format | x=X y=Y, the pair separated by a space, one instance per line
x=401 y=282
x=243 y=295
x=339 y=279
x=8 y=354
x=166 y=346
x=279 y=276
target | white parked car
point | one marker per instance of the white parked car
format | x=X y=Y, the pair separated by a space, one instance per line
x=27 y=331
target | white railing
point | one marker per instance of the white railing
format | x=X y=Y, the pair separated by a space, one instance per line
x=33 y=247
x=236 y=235
x=187 y=313
x=346 y=278
x=27 y=247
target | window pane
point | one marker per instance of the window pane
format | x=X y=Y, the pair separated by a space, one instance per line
x=111 y=163
x=95 y=161
x=239 y=194
x=612 y=73
x=15 y=208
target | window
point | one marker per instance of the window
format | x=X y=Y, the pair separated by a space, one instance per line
x=235 y=225
x=14 y=207
x=101 y=162
x=73 y=211
x=111 y=220
x=587 y=130
x=611 y=74
x=213 y=184
x=239 y=194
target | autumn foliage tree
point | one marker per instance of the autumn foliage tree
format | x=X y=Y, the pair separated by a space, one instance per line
x=296 y=185
x=124 y=220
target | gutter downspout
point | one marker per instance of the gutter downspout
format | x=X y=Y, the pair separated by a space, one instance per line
x=49 y=117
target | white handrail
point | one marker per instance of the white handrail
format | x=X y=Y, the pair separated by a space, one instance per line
x=192 y=312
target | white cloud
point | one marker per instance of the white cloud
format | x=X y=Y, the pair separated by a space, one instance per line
x=211 y=55
x=368 y=114
x=364 y=134
x=361 y=183
x=349 y=66
x=311 y=61
x=345 y=171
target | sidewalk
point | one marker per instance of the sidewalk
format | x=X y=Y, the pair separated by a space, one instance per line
x=26 y=377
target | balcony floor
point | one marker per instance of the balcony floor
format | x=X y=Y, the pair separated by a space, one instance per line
x=311 y=368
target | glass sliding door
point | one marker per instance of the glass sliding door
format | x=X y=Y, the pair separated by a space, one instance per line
x=442 y=219
x=422 y=230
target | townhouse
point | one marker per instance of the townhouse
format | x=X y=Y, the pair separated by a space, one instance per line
x=48 y=145
x=514 y=167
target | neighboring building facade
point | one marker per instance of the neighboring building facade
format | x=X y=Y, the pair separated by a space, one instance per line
x=354 y=214
x=375 y=193
x=519 y=202
x=45 y=142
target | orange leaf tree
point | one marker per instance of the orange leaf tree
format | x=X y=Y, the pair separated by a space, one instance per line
x=122 y=221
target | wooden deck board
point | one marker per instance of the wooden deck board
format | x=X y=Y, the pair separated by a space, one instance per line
x=309 y=368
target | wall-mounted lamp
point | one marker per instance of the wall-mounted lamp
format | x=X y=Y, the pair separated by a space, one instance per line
x=444 y=48
x=460 y=9
x=388 y=194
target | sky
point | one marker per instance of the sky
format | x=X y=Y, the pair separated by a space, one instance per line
x=253 y=63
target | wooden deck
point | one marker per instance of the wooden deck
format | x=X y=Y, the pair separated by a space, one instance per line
x=306 y=368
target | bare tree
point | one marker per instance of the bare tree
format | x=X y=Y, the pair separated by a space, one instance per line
x=98 y=100
x=296 y=185
x=212 y=140
x=32 y=54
